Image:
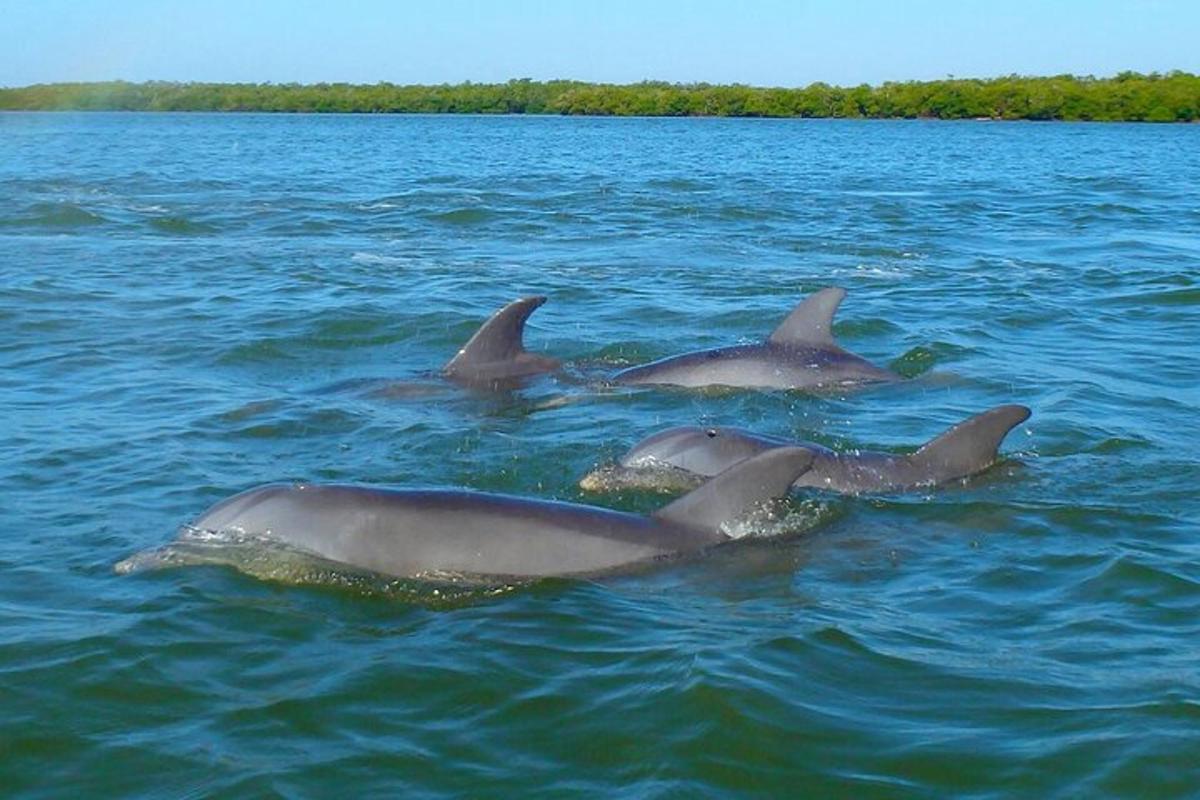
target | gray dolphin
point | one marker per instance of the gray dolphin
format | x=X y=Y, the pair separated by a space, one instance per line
x=682 y=457
x=411 y=533
x=495 y=356
x=799 y=354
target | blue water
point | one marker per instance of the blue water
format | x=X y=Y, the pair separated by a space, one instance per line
x=195 y=304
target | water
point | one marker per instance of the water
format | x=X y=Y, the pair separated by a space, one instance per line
x=192 y=305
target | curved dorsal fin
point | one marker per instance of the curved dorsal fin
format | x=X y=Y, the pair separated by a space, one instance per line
x=811 y=322
x=735 y=492
x=971 y=445
x=497 y=340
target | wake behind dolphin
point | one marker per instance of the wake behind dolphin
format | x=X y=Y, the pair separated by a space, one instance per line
x=411 y=533
x=799 y=354
x=682 y=457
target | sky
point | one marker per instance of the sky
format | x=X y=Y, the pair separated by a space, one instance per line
x=757 y=42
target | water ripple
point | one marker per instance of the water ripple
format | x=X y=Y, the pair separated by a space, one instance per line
x=194 y=304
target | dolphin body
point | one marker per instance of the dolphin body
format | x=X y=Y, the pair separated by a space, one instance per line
x=799 y=354
x=682 y=457
x=495 y=357
x=415 y=533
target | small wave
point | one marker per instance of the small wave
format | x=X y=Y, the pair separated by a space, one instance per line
x=1105 y=183
x=745 y=214
x=360 y=328
x=855 y=328
x=1116 y=444
x=181 y=226
x=1128 y=577
x=326 y=420
x=361 y=257
x=1169 y=297
x=249 y=410
x=307 y=226
x=875 y=271
x=679 y=184
x=440 y=180
x=57 y=215
x=881 y=193
x=1117 y=209
x=254 y=353
x=843 y=641
x=921 y=359
x=463 y=216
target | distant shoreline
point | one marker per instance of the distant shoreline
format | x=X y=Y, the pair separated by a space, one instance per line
x=508 y=115
x=1126 y=97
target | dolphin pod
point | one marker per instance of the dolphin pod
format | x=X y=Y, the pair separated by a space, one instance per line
x=414 y=533
x=799 y=354
x=681 y=457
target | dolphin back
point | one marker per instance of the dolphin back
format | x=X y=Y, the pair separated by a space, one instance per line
x=739 y=490
x=497 y=349
x=970 y=446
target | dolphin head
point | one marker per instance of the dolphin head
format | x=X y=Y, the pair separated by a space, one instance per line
x=678 y=459
x=702 y=450
x=253 y=510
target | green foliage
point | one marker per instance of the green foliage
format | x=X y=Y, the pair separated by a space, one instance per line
x=1127 y=96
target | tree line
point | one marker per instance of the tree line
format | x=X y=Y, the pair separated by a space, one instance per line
x=1128 y=96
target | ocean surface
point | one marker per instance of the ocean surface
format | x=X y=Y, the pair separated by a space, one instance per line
x=191 y=305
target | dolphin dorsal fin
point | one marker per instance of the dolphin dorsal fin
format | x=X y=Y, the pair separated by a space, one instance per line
x=971 y=445
x=499 y=339
x=811 y=322
x=734 y=493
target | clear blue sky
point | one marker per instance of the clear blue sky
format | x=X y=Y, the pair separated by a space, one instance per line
x=762 y=42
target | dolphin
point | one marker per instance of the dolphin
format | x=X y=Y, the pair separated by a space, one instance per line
x=682 y=457
x=419 y=533
x=799 y=354
x=495 y=356
x=494 y=359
